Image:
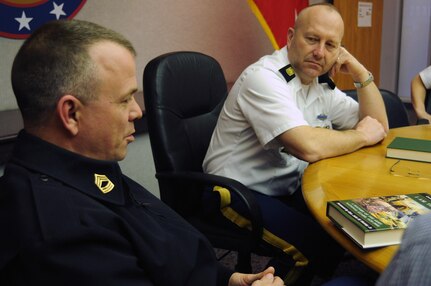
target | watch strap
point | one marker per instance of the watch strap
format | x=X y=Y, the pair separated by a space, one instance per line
x=366 y=82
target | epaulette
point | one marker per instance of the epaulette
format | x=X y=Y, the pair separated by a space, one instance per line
x=287 y=72
x=324 y=78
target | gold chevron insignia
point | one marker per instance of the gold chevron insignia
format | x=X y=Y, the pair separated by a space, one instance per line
x=103 y=183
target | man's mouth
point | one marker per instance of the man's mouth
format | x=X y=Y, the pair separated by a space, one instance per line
x=314 y=64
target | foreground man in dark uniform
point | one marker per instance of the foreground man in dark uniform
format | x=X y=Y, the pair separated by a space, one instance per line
x=68 y=216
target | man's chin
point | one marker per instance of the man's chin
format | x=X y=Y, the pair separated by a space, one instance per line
x=311 y=75
x=120 y=158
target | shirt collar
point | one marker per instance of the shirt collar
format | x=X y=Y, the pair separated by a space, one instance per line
x=96 y=178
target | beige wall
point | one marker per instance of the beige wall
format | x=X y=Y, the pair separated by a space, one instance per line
x=224 y=29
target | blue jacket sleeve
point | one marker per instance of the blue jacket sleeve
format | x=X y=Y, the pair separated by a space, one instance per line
x=410 y=265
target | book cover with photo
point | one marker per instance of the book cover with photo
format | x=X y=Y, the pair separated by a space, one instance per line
x=377 y=221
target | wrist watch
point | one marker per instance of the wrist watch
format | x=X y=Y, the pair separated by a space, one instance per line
x=366 y=82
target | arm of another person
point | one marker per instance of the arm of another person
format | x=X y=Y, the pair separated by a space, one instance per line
x=312 y=144
x=418 y=95
x=410 y=265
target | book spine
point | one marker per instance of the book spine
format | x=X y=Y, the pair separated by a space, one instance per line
x=355 y=216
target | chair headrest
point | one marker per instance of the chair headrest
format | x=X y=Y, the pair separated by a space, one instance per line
x=195 y=82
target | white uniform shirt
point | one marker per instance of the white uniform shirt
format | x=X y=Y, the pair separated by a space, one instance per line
x=262 y=105
x=426 y=77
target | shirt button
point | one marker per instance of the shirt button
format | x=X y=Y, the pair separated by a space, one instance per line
x=43 y=178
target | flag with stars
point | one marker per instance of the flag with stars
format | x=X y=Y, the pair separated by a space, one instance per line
x=276 y=17
x=19 y=18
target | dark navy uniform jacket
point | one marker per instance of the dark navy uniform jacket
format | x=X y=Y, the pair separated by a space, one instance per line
x=59 y=228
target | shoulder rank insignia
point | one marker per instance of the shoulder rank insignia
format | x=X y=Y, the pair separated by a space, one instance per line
x=103 y=183
x=324 y=78
x=287 y=72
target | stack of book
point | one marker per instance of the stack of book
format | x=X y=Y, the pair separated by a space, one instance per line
x=377 y=221
x=409 y=149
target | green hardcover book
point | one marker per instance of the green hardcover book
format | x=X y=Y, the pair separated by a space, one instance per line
x=409 y=149
x=377 y=221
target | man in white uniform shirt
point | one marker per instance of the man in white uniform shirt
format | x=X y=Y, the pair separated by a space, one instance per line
x=284 y=112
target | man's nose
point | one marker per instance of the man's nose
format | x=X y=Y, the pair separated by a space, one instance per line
x=136 y=111
x=318 y=51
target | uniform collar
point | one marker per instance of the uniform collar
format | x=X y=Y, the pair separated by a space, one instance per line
x=325 y=79
x=284 y=63
x=97 y=178
x=322 y=79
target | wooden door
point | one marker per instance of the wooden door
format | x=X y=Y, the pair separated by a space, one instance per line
x=362 y=42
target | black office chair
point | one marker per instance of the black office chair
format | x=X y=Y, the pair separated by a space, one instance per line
x=428 y=101
x=427 y=108
x=184 y=93
x=395 y=109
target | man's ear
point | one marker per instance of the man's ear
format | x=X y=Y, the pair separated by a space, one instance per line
x=68 y=108
x=290 y=34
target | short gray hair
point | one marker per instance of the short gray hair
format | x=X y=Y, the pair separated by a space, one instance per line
x=54 y=61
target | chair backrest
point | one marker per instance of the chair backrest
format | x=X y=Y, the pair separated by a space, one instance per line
x=427 y=104
x=428 y=101
x=184 y=93
x=395 y=109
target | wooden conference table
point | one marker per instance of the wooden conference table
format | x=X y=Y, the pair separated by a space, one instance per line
x=364 y=173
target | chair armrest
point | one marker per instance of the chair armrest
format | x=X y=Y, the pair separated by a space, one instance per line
x=232 y=185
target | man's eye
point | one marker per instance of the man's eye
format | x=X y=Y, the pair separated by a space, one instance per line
x=312 y=40
x=330 y=46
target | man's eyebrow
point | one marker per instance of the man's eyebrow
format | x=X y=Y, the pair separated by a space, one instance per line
x=131 y=92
